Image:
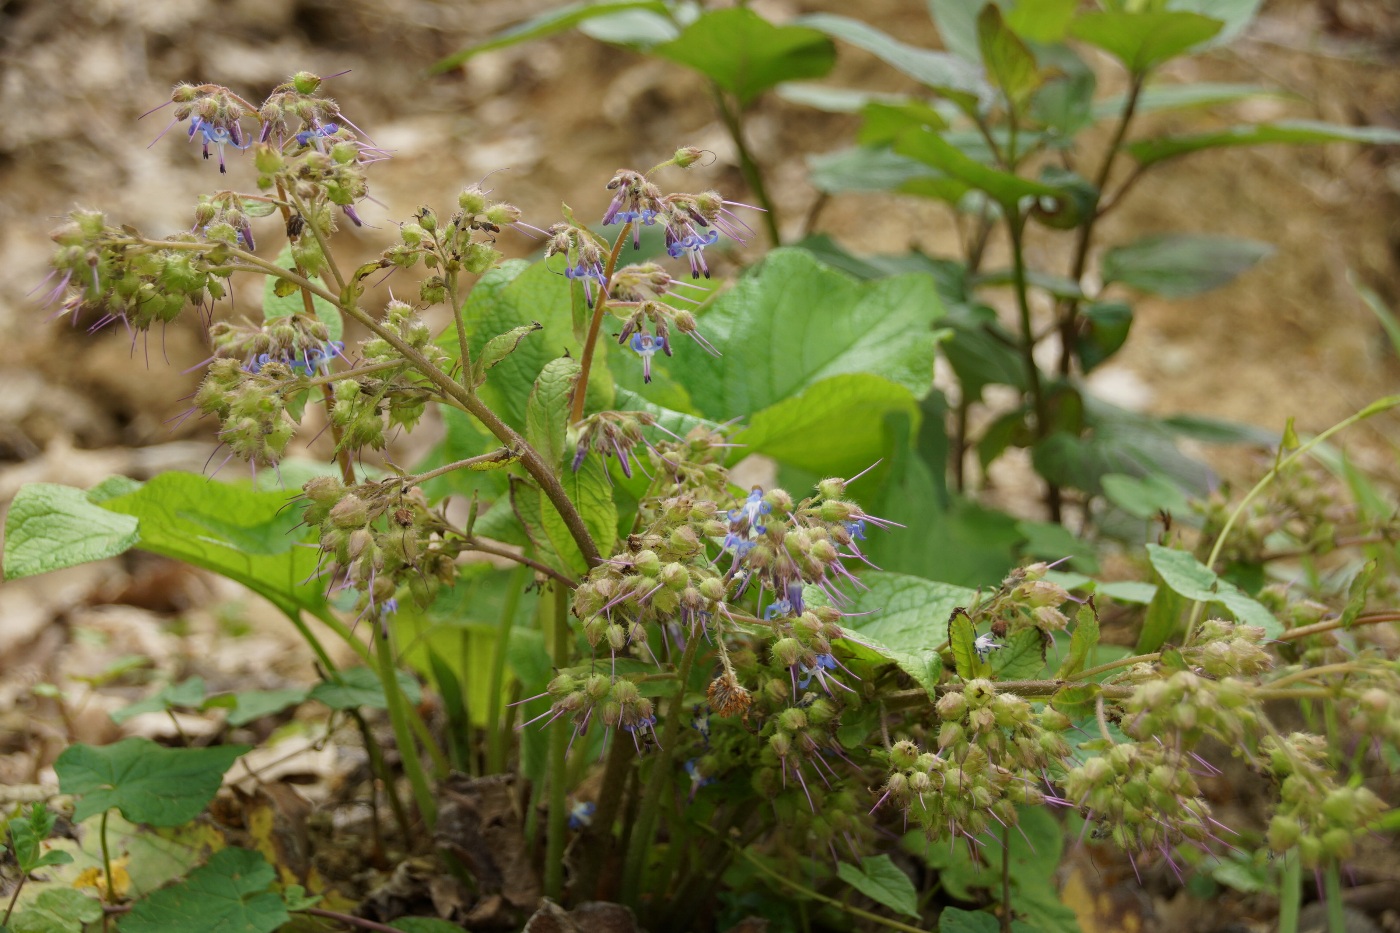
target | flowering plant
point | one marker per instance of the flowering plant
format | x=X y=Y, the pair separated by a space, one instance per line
x=719 y=687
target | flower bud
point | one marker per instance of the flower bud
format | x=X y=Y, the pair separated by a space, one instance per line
x=350 y=512
x=952 y=705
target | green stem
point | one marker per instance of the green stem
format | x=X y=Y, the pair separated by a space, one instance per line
x=1290 y=892
x=748 y=167
x=403 y=732
x=497 y=733
x=380 y=770
x=590 y=343
x=1068 y=317
x=13 y=898
x=639 y=846
x=1336 y=905
x=559 y=733
x=1016 y=224
x=106 y=857
x=1375 y=408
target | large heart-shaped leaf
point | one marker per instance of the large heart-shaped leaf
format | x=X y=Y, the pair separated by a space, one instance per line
x=50 y=527
x=230 y=894
x=148 y=783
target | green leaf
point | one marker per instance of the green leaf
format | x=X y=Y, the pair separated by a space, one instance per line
x=883 y=122
x=1128 y=591
x=516 y=294
x=1142 y=41
x=547 y=411
x=147 y=782
x=1144 y=497
x=956 y=920
x=27 y=835
x=547 y=24
x=789 y=325
x=1010 y=64
x=229 y=894
x=1022 y=657
x=57 y=910
x=1188 y=577
x=1162 y=622
x=590 y=490
x=1294 y=132
x=909 y=620
x=231 y=529
x=1181 y=265
x=1357 y=592
x=929 y=147
x=1082 y=642
x=1077 y=700
x=50 y=527
x=1041 y=21
x=1387 y=318
x=962 y=639
x=745 y=54
x=1177 y=96
x=1235 y=14
x=879 y=879
x=953 y=77
x=498 y=348
x=795 y=430
x=277 y=304
x=188 y=694
x=867 y=168
x=830 y=99
x=1105 y=331
x=251 y=705
x=356 y=687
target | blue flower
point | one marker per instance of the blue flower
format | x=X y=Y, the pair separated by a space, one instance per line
x=314 y=135
x=219 y=134
x=856 y=529
x=590 y=272
x=739 y=544
x=753 y=508
x=581 y=814
x=697 y=780
x=646 y=346
x=692 y=245
x=777 y=608
x=825 y=662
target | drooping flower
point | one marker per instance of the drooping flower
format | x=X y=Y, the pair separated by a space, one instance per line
x=219 y=133
x=646 y=346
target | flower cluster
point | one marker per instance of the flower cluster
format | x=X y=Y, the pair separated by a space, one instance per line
x=117 y=277
x=379 y=538
x=1324 y=821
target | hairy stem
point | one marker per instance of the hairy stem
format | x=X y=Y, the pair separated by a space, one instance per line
x=590 y=343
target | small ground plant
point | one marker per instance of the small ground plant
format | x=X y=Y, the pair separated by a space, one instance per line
x=710 y=700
